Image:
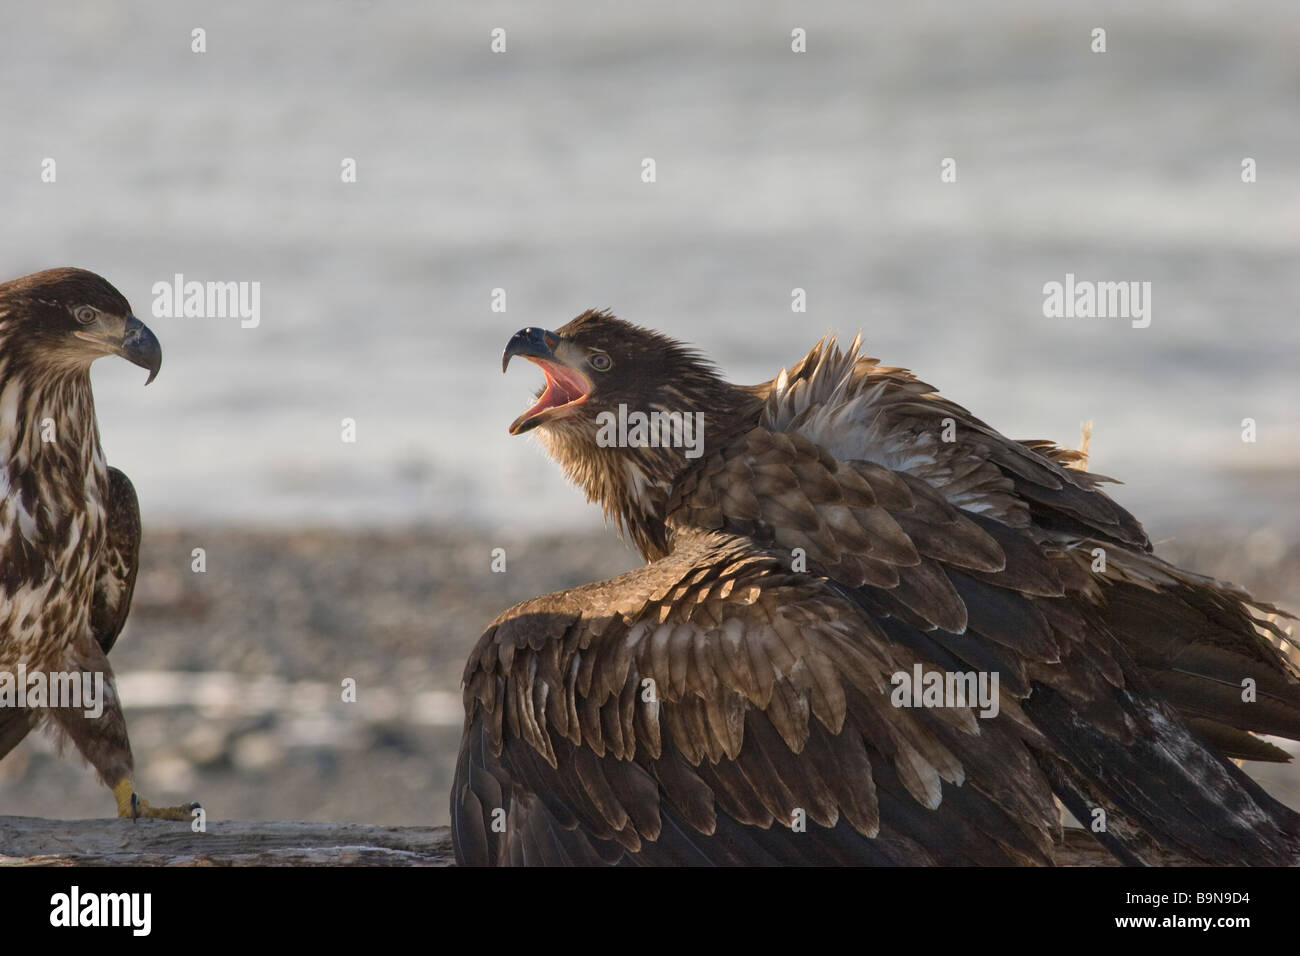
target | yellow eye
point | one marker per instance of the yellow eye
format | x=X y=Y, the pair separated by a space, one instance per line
x=85 y=315
x=600 y=362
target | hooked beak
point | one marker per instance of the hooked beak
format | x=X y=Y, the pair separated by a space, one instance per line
x=531 y=344
x=140 y=347
x=137 y=345
x=566 y=387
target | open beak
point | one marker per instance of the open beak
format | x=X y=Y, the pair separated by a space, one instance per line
x=566 y=387
x=137 y=345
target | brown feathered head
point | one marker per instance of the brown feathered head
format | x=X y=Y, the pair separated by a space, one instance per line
x=57 y=322
x=625 y=409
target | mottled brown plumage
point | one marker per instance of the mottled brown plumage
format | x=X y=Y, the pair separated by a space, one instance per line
x=868 y=507
x=69 y=524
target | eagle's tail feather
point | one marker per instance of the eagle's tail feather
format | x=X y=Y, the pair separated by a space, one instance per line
x=1166 y=783
x=1199 y=648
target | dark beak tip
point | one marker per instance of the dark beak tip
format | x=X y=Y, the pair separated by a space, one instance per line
x=140 y=347
x=530 y=343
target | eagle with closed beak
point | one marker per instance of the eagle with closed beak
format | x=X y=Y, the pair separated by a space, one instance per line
x=69 y=524
x=847 y=542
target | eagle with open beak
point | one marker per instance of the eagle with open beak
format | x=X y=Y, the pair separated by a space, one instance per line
x=848 y=536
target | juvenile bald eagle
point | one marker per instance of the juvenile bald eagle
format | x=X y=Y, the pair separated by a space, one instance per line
x=839 y=526
x=69 y=524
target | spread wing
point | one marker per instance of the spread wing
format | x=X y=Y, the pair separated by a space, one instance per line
x=716 y=708
x=978 y=543
x=118 y=562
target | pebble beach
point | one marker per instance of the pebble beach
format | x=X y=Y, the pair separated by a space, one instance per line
x=232 y=678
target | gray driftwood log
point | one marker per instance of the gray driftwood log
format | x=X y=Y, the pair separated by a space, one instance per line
x=32 y=841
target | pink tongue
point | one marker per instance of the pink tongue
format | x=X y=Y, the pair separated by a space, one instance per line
x=558 y=392
x=557 y=387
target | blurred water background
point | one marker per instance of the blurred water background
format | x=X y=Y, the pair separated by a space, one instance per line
x=521 y=171
x=775 y=170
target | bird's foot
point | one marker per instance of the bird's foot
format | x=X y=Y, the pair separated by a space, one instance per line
x=133 y=806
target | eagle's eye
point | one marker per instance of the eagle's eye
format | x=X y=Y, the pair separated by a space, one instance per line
x=85 y=315
x=600 y=361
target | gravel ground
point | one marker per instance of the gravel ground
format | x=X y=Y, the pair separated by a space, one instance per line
x=232 y=677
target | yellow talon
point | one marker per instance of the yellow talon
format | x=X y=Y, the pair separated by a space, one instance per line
x=133 y=806
x=123 y=793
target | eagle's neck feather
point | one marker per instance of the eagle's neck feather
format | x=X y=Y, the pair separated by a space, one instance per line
x=635 y=485
x=632 y=493
x=50 y=452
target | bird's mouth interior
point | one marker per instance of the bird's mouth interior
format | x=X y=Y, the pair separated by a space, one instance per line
x=565 y=388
